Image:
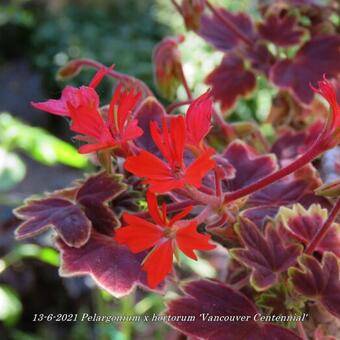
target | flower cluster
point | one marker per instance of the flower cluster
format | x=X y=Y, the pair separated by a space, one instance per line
x=83 y=107
x=164 y=235
x=170 y=171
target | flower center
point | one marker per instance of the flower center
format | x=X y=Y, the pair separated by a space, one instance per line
x=177 y=171
x=170 y=232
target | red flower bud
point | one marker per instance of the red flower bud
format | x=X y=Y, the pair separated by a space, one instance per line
x=168 y=71
x=70 y=70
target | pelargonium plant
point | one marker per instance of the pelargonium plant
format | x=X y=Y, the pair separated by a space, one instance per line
x=178 y=182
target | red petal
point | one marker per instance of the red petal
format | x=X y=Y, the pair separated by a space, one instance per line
x=84 y=96
x=145 y=164
x=164 y=185
x=114 y=100
x=154 y=209
x=59 y=106
x=177 y=139
x=230 y=80
x=161 y=141
x=158 y=174
x=180 y=215
x=88 y=121
x=54 y=106
x=188 y=240
x=198 y=119
x=132 y=131
x=158 y=264
x=98 y=77
x=89 y=148
x=199 y=168
x=127 y=103
x=139 y=234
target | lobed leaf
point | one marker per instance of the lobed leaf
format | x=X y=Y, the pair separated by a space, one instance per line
x=101 y=188
x=260 y=57
x=303 y=224
x=281 y=30
x=204 y=299
x=68 y=220
x=73 y=211
x=250 y=167
x=216 y=33
x=113 y=267
x=267 y=201
x=94 y=196
x=266 y=255
x=230 y=80
x=318 y=281
x=291 y=144
x=320 y=55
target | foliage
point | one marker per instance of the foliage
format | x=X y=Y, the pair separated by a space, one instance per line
x=210 y=185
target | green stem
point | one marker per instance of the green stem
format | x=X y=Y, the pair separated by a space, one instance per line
x=127 y=305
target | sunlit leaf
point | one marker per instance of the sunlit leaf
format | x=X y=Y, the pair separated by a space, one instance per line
x=10 y=305
x=38 y=143
x=12 y=170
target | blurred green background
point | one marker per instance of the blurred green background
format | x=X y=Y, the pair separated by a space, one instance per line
x=36 y=152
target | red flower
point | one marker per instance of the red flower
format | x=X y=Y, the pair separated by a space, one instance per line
x=83 y=96
x=167 y=65
x=163 y=176
x=163 y=236
x=100 y=134
x=198 y=121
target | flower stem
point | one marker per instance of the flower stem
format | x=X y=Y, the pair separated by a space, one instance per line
x=307 y=157
x=175 y=105
x=185 y=84
x=229 y=24
x=318 y=237
x=219 y=223
x=105 y=160
x=218 y=182
x=201 y=217
x=176 y=5
x=124 y=78
x=203 y=198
